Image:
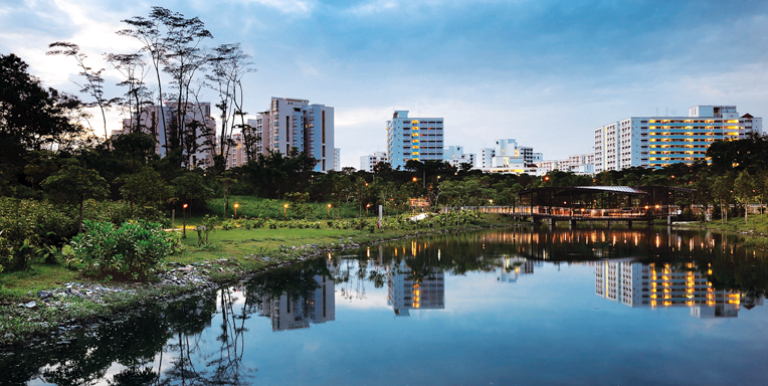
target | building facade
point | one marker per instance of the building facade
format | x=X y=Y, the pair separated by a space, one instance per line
x=337 y=159
x=508 y=157
x=417 y=139
x=368 y=162
x=660 y=141
x=153 y=121
x=295 y=123
x=636 y=284
x=582 y=164
x=455 y=156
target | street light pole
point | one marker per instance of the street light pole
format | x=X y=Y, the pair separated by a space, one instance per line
x=285 y=212
x=185 y=221
x=329 y=211
x=236 y=205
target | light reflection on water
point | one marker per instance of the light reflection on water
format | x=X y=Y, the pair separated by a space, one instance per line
x=497 y=307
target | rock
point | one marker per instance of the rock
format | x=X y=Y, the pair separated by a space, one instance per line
x=221 y=269
x=74 y=292
x=44 y=294
x=31 y=304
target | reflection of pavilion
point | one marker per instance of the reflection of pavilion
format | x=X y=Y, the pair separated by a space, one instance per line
x=318 y=306
x=406 y=292
x=640 y=285
x=513 y=267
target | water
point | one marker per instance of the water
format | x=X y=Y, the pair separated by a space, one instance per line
x=510 y=307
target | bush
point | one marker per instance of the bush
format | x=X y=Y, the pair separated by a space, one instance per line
x=28 y=225
x=131 y=250
x=229 y=224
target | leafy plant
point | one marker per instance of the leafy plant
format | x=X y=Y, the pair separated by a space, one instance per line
x=131 y=250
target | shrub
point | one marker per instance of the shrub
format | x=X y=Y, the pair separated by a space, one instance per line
x=131 y=250
x=228 y=224
x=26 y=226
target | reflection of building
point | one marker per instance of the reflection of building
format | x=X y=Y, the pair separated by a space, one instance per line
x=638 y=285
x=318 y=306
x=406 y=292
x=512 y=267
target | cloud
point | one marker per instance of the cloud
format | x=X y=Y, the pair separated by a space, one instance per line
x=285 y=6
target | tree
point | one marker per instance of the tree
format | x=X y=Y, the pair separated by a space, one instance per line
x=73 y=184
x=723 y=193
x=131 y=66
x=145 y=187
x=94 y=82
x=744 y=191
x=230 y=64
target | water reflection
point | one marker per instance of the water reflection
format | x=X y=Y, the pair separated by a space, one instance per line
x=637 y=284
x=214 y=338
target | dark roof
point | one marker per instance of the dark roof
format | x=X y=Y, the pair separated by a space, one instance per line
x=747 y=115
x=627 y=190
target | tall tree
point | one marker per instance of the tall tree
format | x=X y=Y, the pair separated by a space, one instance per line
x=744 y=191
x=132 y=67
x=229 y=66
x=184 y=57
x=94 y=82
x=147 y=31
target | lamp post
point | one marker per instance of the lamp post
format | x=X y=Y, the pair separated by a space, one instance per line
x=366 y=209
x=236 y=206
x=184 y=211
x=329 y=211
x=285 y=212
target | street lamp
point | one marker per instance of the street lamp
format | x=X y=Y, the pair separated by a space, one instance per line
x=415 y=179
x=329 y=211
x=366 y=209
x=236 y=206
x=184 y=211
x=285 y=212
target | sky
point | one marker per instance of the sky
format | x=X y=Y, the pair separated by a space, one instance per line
x=543 y=72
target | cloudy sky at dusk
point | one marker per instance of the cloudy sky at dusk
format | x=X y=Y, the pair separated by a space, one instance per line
x=543 y=72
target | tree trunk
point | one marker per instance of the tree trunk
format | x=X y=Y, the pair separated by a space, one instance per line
x=131 y=205
x=80 y=219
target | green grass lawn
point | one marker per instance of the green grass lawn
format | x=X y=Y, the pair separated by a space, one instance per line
x=237 y=243
x=267 y=208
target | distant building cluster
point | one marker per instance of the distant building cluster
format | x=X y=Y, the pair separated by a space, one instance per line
x=649 y=142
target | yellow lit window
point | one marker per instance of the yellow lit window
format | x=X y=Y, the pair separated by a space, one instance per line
x=415 y=153
x=415 y=141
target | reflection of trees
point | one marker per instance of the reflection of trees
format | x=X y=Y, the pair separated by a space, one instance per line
x=85 y=357
x=192 y=364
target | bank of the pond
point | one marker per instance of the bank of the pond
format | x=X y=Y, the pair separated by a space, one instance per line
x=755 y=232
x=48 y=299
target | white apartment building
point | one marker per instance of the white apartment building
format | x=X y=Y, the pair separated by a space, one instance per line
x=582 y=164
x=294 y=123
x=368 y=162
x=635 y=284
x=660 y=141
x=286 y=313
x=151 y=122
x=418 y=139
x=337 y=159
x=405 y=294
x=455 y=156
x=508 y=157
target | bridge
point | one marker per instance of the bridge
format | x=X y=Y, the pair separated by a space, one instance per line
x=597 y=203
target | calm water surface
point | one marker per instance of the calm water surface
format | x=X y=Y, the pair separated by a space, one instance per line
x=511 y=307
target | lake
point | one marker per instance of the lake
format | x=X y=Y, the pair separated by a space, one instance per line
x=498 y=307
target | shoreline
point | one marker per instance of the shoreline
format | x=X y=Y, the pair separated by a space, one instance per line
x=75 y=305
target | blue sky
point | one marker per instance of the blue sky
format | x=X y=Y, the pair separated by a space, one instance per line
x=543 y=72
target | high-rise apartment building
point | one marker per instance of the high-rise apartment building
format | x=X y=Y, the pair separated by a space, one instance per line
x=660 y=141
x=418 y=139
x=508 y=157
x=368 y=162
x=289 y=313
x=405 y=293
x=294 y=123
x=455 y=156
x=636 y=284
x=337 y=159
x=151 y=122
x=583 y=164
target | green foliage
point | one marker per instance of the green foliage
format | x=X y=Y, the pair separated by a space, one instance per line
x=229 y=224
x=145 y=188
x=26 y=226
x=130 y=250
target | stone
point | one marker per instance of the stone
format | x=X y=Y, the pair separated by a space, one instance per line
x=31 y=304
x=74 y=292
x=44 y=294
